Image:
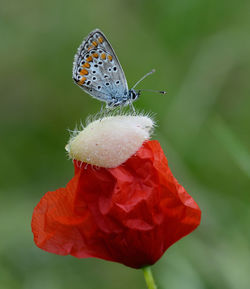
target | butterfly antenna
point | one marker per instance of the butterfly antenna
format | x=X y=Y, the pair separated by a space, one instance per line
x=146 y=75
x=158 y=91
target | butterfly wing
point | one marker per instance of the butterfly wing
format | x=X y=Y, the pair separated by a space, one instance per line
x=96 y=69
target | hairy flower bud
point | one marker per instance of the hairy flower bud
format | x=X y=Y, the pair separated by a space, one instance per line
x=110 y=141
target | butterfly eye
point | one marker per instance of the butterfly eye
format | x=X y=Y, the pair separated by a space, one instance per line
x=134 y=96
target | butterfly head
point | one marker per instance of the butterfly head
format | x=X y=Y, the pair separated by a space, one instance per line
x=133 y=95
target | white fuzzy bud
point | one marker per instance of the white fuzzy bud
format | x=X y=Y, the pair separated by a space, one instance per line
x=110 y=141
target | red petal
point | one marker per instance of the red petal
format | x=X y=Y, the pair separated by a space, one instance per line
x=130 y=214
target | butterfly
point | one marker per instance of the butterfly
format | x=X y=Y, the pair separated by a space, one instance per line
x=96 y=69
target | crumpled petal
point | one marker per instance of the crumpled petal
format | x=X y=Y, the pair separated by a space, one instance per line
x=129 y=214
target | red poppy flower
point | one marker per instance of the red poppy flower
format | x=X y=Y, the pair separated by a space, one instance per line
x=128 y=214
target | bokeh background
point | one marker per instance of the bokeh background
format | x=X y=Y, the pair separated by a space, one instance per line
x=201 y=50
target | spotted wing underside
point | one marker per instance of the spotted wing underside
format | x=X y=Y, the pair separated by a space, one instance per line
x=96 y=69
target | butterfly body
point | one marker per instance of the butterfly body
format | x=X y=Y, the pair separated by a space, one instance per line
x=96 y=69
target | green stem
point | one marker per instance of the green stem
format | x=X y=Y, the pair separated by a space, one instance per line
x=149 y=277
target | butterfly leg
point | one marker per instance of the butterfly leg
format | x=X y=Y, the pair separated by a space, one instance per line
x=132 y=107
x=100 y=113
x=108 y=108
x=104 y=111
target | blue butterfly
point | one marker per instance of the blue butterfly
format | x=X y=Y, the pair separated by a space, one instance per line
x=96 y=69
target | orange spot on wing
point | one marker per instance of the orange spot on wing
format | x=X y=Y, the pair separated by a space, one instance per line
x=100 y=39
x=110 y=57
x=95 y=55
x=84 y=72
x=103 y=56
x=90 y=47
x=82 y=80
x=89 y=59
x=94 y=43
x=86 y=64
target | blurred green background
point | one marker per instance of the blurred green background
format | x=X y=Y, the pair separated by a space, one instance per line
x=201 y=51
